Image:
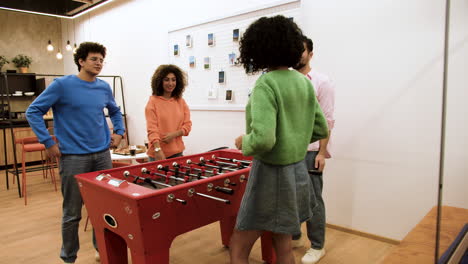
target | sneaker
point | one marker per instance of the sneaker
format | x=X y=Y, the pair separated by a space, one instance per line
x=97 y=257
x=297 y=243
x=313 y=256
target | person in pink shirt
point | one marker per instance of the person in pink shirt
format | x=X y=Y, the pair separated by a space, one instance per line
x=167 y=114
x=316 y=155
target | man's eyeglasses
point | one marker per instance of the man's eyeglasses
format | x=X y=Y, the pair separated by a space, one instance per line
x=96 y=59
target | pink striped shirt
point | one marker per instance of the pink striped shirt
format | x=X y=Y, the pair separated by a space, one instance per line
x=325 y=92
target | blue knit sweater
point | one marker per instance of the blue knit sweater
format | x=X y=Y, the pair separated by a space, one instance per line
x=79 y=121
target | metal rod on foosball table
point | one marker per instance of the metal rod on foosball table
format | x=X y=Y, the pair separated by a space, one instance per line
x=191 y=192
x=237 y=165
x=146 y=171
x=166 y=169
x=188 y=169
x=147 y=180
x=210 y=166
x=197 y=169
x=180 y=173
x=248 y=162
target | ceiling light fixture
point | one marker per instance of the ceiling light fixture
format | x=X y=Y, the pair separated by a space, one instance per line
x=72 y=15
x=68 y=47
x=74 y=37
x=49 y=46
x=99 y=4
x=59 y=55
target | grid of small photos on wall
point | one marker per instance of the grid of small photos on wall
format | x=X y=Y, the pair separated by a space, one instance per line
x=208 y=53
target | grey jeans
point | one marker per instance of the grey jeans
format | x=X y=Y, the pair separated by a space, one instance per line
x=316 y=224
x=71 y=165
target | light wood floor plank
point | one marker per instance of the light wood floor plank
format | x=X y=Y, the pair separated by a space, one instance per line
x=31 y=234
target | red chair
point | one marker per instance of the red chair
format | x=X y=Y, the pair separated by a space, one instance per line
x=30 y=144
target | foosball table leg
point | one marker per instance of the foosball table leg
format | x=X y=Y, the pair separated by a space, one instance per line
x=268 y=253
x=114 y=248
x=227 y=226
x=160 y=256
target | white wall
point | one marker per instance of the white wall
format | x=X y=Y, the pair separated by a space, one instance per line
x=136 y=35
x=456 y=166
x=386 y=60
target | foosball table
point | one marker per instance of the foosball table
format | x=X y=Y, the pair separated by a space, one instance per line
x=144 y=207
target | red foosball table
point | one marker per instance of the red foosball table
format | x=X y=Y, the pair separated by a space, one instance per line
x=144 y=207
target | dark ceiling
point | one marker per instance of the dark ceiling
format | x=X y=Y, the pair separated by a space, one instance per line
x=66 y=8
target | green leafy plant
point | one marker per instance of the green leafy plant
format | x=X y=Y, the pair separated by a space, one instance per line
x=21 y=60
x=3 y=61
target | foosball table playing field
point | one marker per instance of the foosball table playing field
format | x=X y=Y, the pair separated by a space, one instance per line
x=144 y=207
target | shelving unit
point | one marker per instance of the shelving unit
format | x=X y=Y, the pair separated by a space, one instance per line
x=13 y=107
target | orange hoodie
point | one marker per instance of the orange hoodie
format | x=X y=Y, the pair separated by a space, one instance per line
x=164 y=116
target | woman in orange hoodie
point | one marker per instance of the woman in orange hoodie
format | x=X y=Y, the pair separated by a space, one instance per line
x=167 y=114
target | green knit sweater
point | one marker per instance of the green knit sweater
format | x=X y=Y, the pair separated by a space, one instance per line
x=283 y=117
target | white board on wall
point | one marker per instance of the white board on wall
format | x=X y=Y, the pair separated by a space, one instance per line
x=216 y=41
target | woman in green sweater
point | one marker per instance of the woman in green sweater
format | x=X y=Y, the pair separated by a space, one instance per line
x=283 y=117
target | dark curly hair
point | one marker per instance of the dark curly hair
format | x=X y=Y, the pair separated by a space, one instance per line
x=309 y=43
x=161 y=72
x=270 y=42
x=85 y=48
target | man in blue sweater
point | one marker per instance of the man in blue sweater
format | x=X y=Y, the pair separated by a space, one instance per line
x=80 y=125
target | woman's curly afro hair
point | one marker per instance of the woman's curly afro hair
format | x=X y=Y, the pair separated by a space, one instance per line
x=271 y=42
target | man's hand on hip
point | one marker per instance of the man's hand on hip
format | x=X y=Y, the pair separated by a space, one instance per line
x=53 y=152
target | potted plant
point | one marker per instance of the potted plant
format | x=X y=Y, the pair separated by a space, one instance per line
x=22 y=62
x=3 y=61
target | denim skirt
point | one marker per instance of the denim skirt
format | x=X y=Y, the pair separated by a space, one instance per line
x=277 y=198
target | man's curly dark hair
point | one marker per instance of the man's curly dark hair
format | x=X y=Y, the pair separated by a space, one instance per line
x=161 y=72
x=309 y=43
x=85 y=48
x=271 y=42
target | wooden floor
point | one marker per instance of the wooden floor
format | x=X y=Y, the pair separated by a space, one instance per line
x=31 y=234
x=419 y=245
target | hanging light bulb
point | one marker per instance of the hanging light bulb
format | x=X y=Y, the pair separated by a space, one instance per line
x=50 y=47
x=74 y=48
x=68 y=47
x=59 y=55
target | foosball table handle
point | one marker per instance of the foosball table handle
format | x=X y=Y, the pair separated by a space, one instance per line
x=224 y=190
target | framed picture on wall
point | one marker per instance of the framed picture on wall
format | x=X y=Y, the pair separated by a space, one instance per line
x=192 y=61
x=221 y=77
x=188 y=41
x=211 y=40
x=206 y=63
x=176 y=50
x=235 y=34
x=212 y=93
x=229 y=95
x=232 y=59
